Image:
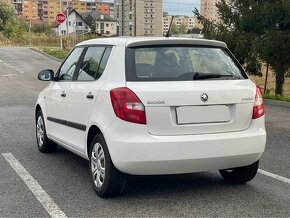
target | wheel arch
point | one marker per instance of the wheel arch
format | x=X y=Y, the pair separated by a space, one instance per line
x=93 y=130
x=37 y=108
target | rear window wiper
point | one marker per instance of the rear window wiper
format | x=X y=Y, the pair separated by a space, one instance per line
x=201 y=76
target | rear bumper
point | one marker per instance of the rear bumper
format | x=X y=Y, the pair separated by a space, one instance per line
x=134 y=151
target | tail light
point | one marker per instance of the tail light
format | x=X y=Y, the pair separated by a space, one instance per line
x=258 y=110
x=127 y=106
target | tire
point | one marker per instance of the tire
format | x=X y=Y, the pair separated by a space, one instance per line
x=107 y=181
x=240 y=175
x=43 y=143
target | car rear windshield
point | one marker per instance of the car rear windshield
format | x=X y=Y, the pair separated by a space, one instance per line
x=181 y=63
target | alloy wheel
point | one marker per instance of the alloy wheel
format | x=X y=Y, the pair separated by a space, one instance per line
x=40 y=131
x=98 y=165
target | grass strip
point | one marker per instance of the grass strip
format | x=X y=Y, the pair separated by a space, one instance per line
x=56 y=52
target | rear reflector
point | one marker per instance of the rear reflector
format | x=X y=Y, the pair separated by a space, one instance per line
x=258 y=109
x=127 y=106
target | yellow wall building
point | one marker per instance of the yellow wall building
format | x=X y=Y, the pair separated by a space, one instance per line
x=46 y=10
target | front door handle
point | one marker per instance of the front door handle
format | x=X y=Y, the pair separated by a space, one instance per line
x=63 y=94
x=90 y=95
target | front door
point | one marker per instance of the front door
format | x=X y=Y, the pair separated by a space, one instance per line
x=55 y=100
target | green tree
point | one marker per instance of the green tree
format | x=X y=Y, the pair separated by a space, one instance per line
x=183 y=29
x=195 y=30
x=6 y=13
x=42 y=27
x=256 y=31
x=174 y=29
x=91 y=22
x=14 y=29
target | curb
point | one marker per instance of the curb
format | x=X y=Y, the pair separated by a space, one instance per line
x=45 y=54
x=277 y=103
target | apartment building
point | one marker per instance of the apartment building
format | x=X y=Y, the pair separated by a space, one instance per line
x=46 y=10
x=139 y=17
x=18 y=6
x=209 y=10
x=189 y=22
x=26 y=8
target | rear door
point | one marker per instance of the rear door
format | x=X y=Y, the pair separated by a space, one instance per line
x=190 y=89
x=82 y=93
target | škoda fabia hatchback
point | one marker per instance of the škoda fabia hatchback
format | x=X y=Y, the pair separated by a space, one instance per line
x=152 y=106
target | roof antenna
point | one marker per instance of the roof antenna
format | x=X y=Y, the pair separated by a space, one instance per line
x=168 y=32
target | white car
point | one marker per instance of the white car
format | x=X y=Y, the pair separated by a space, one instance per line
x=152 y=106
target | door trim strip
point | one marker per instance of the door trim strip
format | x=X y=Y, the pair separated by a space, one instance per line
x=68 y=123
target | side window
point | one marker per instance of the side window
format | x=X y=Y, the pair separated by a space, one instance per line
x=67 y=69
x=93 y=64
x=104 y=62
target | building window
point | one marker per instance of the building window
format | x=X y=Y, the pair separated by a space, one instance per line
x=79 y=23
x=107 y=25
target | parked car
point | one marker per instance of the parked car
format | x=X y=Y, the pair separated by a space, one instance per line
x=152 y=106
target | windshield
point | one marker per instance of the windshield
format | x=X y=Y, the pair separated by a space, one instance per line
x=181 y=63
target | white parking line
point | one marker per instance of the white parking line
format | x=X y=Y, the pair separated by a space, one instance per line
x=274 y=176
x=47 y=202
x=12 y=74
x=14 y=68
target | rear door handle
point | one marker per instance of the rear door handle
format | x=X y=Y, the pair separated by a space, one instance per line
x=90 y=96
x=63 y=94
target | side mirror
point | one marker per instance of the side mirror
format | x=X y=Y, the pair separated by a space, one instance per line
x=46 y=75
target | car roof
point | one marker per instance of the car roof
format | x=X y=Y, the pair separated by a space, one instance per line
x=147 y=41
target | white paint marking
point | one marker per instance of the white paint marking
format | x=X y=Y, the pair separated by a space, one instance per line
x=14 y=68
x=12 y=74
x=47 y=202
x=274 y=176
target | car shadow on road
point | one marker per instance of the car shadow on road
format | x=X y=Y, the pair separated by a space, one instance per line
x=173 y=184
x=161 y=186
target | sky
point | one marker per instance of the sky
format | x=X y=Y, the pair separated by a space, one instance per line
x=178 y=7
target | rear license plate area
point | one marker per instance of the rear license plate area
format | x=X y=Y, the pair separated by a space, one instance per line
x=202 y=114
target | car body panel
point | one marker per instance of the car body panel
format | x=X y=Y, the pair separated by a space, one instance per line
x=164 y=145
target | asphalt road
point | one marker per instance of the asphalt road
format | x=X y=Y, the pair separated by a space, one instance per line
x=65 y=176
